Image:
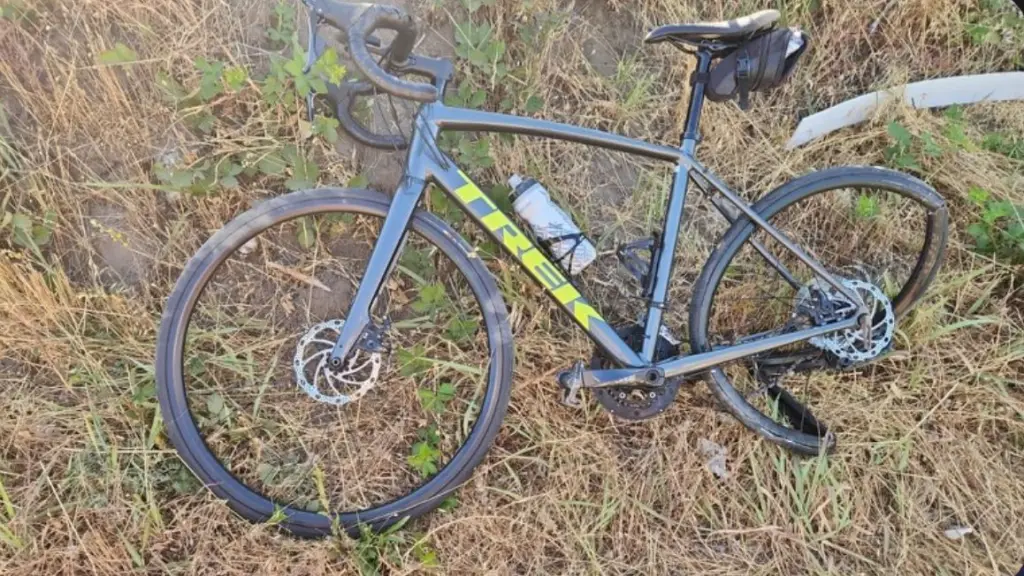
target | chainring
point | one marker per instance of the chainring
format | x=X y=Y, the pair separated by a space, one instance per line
x=324 y=384
x=634 y=402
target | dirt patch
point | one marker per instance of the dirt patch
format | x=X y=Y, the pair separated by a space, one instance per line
x=610 y=36
x=123 y=254
x=612 y=177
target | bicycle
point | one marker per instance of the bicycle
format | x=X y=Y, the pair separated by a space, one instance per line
x=421 y=276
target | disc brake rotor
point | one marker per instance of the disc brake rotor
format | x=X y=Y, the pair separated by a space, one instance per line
x=850 y=346
x=333 y=386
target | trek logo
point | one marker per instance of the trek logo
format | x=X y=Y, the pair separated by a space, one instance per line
x=520 y=246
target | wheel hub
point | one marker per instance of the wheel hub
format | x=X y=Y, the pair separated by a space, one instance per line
x=852 y=346
x=319 y=380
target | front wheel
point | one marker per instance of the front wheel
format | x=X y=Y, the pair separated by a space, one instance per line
x=880 y=232
x=252 y=405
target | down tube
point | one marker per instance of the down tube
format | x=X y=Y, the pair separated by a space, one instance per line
x=518 y=245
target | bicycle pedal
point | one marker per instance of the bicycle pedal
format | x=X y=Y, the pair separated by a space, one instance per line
x=570 y=381
x=637 y=266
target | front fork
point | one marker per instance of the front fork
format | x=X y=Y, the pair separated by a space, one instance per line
x=385 y=251
x=382 y=260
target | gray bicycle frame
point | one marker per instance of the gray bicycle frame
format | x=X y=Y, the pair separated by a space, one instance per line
x=427 y=164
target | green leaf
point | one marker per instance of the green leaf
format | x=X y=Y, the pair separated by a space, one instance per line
x=411 y=361
x=446 y=391
x=977 y=195
x=436 y=402
x=302 y=86
x=329 y=67
x=931 y=148
x=900 y=134
x=326 y=127
x=996 y=210
x=978 y=33
x=304 y=173
x=980 y=233
x=441 y=204
x=171 y=90
x=120 y=54
x=22 y=222
x=295 y=66
x=955 y=134
x=429 y=435
x=431 y=298
x=423 y=459
x=144 y=394
x=477 y=99
x=954 y=113
x=358 y=181
x=867 y=207
x=235 y=78
x=462 y=329
x=41 y=235
x=215 y=404
x=419 y=262
x=428 y=557
x=272 y=164
x=210 y=84
x=317 y=84
x=429 y=401
x=306 y=233
x=499 y=194
x=533 y=104
x=478 y=58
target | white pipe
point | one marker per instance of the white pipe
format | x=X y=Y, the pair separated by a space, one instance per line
x=936 y=93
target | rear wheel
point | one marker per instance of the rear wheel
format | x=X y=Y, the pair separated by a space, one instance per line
x=883 y=233
x=252 y=406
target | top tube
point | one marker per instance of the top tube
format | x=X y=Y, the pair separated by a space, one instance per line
x=447 y=118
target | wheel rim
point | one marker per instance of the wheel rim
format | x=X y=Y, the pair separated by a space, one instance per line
x=190 y=440
x=765 y=408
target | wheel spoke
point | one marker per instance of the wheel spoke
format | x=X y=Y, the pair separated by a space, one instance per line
x=277 y=417
x=843 y=217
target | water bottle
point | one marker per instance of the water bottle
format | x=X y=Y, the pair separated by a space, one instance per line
x=555 y=229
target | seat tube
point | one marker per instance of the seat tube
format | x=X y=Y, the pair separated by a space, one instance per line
x=664 y=259
x=662 y=267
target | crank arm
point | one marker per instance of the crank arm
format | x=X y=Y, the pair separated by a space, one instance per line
x=634 y=377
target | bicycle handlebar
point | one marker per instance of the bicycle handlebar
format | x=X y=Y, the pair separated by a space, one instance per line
x=343 y=97
x=358 y=22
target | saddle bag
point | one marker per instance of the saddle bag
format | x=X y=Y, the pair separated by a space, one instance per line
x=760 y=64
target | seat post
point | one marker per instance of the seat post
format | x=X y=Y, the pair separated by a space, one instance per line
x=691 y=134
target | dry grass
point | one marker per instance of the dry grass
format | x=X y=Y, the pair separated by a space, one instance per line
x=88 y=484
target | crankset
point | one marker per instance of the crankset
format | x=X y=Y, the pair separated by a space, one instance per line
x=629 y=402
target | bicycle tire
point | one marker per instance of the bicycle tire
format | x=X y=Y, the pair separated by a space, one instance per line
x=777 y=201
x=184 y=432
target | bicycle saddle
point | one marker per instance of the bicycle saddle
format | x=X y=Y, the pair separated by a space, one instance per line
x=722 y=31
